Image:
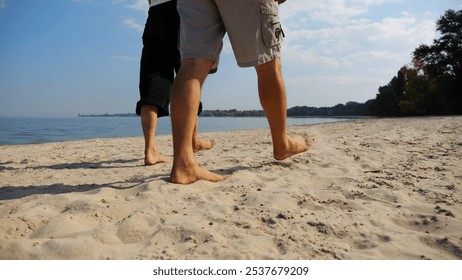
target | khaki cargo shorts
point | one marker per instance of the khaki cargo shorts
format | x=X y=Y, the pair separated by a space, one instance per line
x=253 y=28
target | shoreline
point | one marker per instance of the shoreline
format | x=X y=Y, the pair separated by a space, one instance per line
x=54 y=130
x=382 y=189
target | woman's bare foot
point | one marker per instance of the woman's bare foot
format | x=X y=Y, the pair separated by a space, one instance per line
x=190 y=174
x=295 y=145
x=200 y=145
x=153 y=157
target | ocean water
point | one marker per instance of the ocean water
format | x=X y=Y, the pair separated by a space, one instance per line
x=41 y=130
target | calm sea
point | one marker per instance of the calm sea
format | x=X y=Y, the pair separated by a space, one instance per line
x=40 y=130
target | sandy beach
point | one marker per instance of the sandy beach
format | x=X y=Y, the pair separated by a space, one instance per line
x=380 y=189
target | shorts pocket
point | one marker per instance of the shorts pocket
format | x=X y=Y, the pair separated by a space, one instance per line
x=270 y=24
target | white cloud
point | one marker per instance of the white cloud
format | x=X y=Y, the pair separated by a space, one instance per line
x=297 y=54
x=390 y=39
x=333 y=12
x=329 y=90
x=374 y=2
x=133 y=24
x=140 y=5
x=329 y=11
x=2 y=4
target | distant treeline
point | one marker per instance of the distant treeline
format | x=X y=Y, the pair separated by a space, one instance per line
x=108 y=115
x=349 y=109
x=232 y=113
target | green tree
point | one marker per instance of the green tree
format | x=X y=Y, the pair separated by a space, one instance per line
x=442 y=62
x=418 y=91
x=387 y=101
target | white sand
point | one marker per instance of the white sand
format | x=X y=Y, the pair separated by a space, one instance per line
x=368 y=189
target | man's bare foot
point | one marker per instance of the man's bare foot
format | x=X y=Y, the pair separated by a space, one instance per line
x=153 y=157
x=193 y=173
x=202 y=145
x=295 y=145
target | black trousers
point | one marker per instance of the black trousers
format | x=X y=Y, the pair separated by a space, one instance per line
x=160 y=57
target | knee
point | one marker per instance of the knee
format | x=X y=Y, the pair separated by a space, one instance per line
x=147 y=112
x=200 y=66
x=270 y=68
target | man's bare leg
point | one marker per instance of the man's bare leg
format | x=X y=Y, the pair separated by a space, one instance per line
x=272 y=93
x=199 y=145
x=185 y=100
x=149 y=124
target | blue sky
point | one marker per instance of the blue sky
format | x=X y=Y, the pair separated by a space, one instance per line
x=59 y=58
